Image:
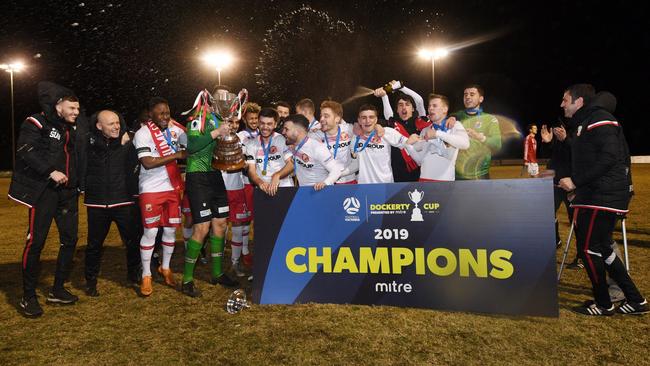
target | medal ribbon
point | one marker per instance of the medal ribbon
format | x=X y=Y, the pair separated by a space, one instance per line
x=295 y=152
x=356 y=142
x=266 y=150
x=336 y=144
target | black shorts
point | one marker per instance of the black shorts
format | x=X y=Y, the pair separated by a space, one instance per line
x=207 y=195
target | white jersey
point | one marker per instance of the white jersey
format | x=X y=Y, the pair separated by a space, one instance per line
x=374 y=159
x=341 y=150
x=314 y=164
x=278 y=155
x=437 y=157
x=245 y=135
x=156 y=179
x=314 y=126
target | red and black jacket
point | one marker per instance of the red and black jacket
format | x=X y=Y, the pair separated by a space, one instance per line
x=600 y=166
x=46 y=143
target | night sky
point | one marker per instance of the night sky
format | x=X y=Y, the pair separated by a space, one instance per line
x=117 y=54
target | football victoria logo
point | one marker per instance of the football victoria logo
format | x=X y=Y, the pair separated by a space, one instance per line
x=351 y=206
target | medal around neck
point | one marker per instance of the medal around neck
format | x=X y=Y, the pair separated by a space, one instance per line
x=237 y=302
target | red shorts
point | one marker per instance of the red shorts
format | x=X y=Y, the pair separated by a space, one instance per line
x=238 y=209
x=185 y=206
x=350 y=182
x=160 y=209
x=248 y=193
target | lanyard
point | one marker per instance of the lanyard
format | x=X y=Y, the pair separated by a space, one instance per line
x=295 y=152
x=168 y=137
x=312 y=124
x=356 y=142
x=336 y=145
x=266 y=150
x=442 y=127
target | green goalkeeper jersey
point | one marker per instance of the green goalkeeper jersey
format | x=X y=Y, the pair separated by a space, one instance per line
x=200 y=145
x=475 y=161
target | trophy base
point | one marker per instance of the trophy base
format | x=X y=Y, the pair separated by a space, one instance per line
x=228 y=167
x=417 y=215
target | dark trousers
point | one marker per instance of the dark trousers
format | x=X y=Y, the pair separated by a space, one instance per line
x=594 y=231
x=60 y=205
x=128 y=224
x=560 y=196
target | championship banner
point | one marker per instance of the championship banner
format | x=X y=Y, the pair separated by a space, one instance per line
x=480 y=246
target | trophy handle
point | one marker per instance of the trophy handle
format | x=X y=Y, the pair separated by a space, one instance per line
x=239 y=103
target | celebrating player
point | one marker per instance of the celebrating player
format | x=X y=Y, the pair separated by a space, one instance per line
x=159 y=144
x=371 y=153
x=313 y=163
x=337 y=136
x=438 y=151
x=207 y=194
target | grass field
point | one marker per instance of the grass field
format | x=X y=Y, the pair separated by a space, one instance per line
x=121 y=328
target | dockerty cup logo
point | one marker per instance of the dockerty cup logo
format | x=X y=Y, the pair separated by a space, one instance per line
x=416 y=196
x=351 y=205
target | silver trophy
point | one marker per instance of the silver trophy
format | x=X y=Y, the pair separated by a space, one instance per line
x=228 y=153
x=237 y=302
x=416 y=196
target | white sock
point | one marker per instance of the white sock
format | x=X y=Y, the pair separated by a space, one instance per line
x=244 y=241
x=236 y=243
x=147 y=243
x=168 y=243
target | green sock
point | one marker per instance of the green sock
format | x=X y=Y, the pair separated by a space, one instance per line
x=216 y=249
x=191 y=255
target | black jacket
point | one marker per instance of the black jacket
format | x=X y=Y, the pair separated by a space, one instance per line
x=46 y=143
x=600 y=166
x=109 y=169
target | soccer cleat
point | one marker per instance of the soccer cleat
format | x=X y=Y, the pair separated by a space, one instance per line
x=189 y=290
x=61 y=296
x=91 y=291
x=146 y=287
x=168 y=275
x=576 y=264
x=224 y=280
x=247 y=259
x=634 y=308
x=238 y=269
x=31 y=307
x=591 y=308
